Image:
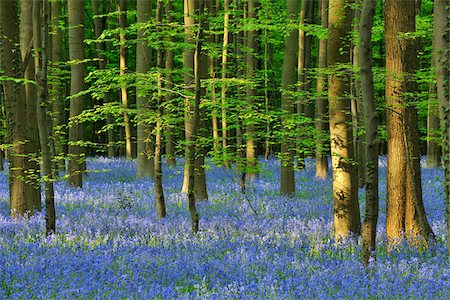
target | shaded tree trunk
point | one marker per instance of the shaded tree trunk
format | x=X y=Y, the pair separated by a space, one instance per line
x=40 y=63
x=345 y=185
x=369 y=226
x=159 y=192
x=441 y=38
x=288 y=79
x=99 y=27
x=322 y=101
x=145 y=148
x=76 y=48
x=20 y=197
x=32 y=144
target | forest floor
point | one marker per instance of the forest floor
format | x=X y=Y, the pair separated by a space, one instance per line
x=110 y=244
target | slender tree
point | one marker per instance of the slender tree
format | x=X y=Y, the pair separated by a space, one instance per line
x=288 y=79
x=345 y=186
x=159 y=192
x=99 y=26
x=76 y=55
x=405 y=212
x=251 y=92
x=223 y=93
x=321 y=100
x=40 y=41
x=145 y=147
x=122 y=15
x=369 y=226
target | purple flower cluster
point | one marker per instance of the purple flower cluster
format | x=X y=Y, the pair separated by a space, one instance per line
x=110 y=244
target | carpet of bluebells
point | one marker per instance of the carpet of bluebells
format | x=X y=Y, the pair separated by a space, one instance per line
x=110 y=244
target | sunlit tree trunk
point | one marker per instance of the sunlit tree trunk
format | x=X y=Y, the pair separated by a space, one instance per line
x=345 y=185
x=122 y=15
x=188 y=63
x=433 y=134
x=40 y=42
x=76 y=48
x=32 y=144
x=441 y=51
x=145 y=148
x=369 y=226
x=322 y=101
x=251 y=66
x=223 y=93
x=405 y=213
x=288 y=79
x=20 y=198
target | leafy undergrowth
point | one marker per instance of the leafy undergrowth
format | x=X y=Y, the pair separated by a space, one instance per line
x=110 y=244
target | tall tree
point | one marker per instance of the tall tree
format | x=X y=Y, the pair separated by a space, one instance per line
x=122 y=15
x=288 y=79
x=251 y=93
x=188 y=63
x=145 y=148
x=99 y=26
x=20 y=197
x=40 y=41
x=441 y=51
x=159 y=192
x=56 y=92
x=170 y=126
x=405 y=212
x=369 y=226
x=322 y=101
x=32 y=145
x=223 y=93
x=345 y=186
x=76 y=56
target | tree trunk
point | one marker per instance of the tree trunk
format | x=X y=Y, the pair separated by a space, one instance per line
x=122 y=15
x=99 y=27
x=170 y=137
x=41 y=63
x=76 y=48
x=32 y=144
x=441 y=38
x=405 y=213
x=145 y=148
x=345 y=185
x=369 y=226
x=56 y=97
x=321 y=100
x=288 y=79
x=223 y=94
x=433 y=134
x=251 y=66
x=188 y=64
x=20 y=197
x=159 y=192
